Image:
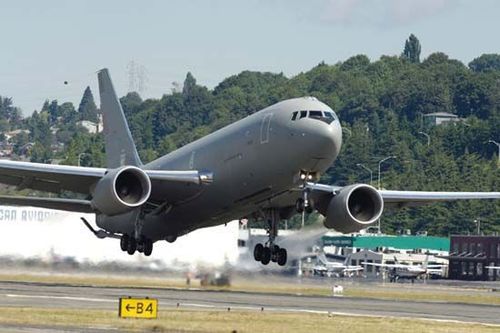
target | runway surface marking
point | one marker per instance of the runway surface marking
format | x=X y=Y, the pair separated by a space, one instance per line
x=85 y=299
x=336 y=313
x=23 y=294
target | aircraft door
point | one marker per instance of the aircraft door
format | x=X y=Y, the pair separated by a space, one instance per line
x=265 y=128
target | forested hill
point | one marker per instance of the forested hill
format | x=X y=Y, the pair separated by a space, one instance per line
x=382 y=105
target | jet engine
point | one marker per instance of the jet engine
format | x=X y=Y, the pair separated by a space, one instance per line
x=354 y=208
x=121 y=190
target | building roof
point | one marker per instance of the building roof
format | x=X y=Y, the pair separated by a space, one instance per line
x=397 y=242
x=441 y=114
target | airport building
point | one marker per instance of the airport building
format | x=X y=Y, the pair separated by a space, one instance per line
x=387 y=249
x=470 y=255
x=344 y=245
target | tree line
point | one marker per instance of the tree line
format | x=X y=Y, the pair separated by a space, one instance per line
x=382 y=105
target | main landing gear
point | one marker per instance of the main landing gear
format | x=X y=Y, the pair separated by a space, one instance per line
x=138 y=242
x=131 y=245
x=269 y=251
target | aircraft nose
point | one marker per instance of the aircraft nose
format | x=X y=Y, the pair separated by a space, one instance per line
x=329 y=139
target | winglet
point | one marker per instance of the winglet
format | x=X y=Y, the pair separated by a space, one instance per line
x=120 y=147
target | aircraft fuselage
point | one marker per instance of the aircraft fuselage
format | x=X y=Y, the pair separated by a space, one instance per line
x=253 y=160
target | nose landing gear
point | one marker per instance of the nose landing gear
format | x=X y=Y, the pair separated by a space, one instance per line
x=304 y=204
x=269 y=251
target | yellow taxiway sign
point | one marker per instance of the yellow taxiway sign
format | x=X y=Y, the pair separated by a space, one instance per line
x=146 y=308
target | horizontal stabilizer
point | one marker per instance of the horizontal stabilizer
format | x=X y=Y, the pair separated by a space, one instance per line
x=72 y=205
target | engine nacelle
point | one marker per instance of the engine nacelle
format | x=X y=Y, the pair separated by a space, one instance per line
x=354 y=208
x=121 y=190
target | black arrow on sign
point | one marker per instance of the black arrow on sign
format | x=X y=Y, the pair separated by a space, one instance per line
x=128 y=307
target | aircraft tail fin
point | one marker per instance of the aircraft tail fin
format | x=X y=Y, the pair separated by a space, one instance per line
x=426 y=261
x=322 y=258
x=120 y=147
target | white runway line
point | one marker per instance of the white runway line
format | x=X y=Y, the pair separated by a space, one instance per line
x=335 y=313
x=85 y=299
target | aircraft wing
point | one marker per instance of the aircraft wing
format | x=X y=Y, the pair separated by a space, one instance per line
x=56 y=178
x=48 y=177
x=384 y=265
x=353 y=269
x=400 y=199
x=493 y=267
x=416 y=198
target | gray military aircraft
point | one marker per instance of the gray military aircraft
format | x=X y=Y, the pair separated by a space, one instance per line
x=264 y=165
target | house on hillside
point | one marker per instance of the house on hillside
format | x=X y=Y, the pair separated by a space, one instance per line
x=438 y=118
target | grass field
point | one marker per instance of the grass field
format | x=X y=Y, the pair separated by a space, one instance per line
x=392 y=291
x=175 y=320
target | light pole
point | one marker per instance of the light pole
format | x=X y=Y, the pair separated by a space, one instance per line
x=498 y=145
x=427 y=136
x=379 y=164
x=367 y=169
x=478 y=222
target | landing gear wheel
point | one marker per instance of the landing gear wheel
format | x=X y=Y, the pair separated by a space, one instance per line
x=266 y=256
x=132 y=246
x=140 y=246
x=257 y=252
x=124 y=239
x=274 y=252
x=281 y=257
x=148 y=247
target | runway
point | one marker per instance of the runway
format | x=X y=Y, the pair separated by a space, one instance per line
x=43 y=295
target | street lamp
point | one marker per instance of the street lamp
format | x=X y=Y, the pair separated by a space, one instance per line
x=379 y=164
x=478 y=222
x=498 y=145
x=427 y=136
x=367 y=169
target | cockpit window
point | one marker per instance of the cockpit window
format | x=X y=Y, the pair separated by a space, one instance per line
x=329 y=115
x=325 y=116
x=315 y=114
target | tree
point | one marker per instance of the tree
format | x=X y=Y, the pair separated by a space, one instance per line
x=9 y=112
x=189 y=84
x=87 y=108
x=485 y=63
x=412 y=49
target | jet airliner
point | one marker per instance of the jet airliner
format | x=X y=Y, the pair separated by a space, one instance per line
x=265 y=165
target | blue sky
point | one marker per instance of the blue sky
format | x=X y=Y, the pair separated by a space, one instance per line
x=45 y=43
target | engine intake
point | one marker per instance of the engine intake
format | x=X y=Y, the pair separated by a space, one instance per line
x=121 y=190
x=354 y=208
